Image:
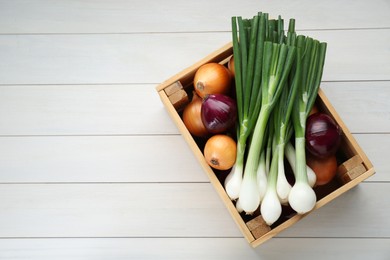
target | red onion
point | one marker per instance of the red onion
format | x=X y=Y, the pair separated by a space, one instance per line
x=323 y=135
x=219 y=113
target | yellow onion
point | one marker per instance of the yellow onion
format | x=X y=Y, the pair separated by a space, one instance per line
x=212 y=78
x=192 y=117
x=220 y=152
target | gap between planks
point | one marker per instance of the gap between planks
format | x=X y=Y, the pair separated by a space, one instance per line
x=157 y=83
x=184 y=32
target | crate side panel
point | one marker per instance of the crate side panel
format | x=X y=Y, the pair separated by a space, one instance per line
x=209 y=172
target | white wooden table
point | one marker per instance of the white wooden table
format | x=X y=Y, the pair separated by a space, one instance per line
x=92 y=167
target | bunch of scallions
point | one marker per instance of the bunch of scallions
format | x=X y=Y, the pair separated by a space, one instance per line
x=277 y=77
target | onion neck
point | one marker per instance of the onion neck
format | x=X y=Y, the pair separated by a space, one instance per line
x=300 y=160
x=282 y=186
x=257 y=141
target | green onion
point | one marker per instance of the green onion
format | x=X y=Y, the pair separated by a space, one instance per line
x=283 y=127
x=311 y=53
x=290 y=156
x=277 y=77
x=277 y=62
x=248 y=94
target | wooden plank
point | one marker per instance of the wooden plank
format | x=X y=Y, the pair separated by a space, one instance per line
x=98 y=159
x=142 y=58
x=101 y=58
x=82 y=110
x=119 y=158
x=341 y=216
x=118 y=16
x=360 y=106
x=192 y=248
x=340 y=65
x=169 y=210
x=114 y=109
x=113 y=210
x=376 y=147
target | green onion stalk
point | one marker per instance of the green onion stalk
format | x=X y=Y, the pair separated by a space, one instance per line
x=282 y=137
x=264 y=161
x=283 y=126
x=290 y=156
x=277 y=62
x=248 y=63
x=273 y=70
x=278 y=187
x=270 y=207
x=311 y=54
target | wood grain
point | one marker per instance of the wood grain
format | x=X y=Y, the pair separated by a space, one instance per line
x=143 y=58
x=119 y=158
x=98 y=159
x=192 y=248
x=114 y=109
x=170 y=210
x=82 y=110
x=121 y=16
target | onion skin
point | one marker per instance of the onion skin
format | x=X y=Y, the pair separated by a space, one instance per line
x=218 y=113
x=220 y=152
x=192 y=117
x=212 y=78
x=313 y=110
x=325 y=169
x=231 y=66
x=323 y=135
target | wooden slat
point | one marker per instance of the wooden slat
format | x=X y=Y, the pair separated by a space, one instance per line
x=98 y=159
x=344 y=216
x=119 y=159
x=376 y=148
x=82 y=110
x=170 y=210
x=101 y=58
x=347 y=49
x=361 y=104
x=115 y=109
x=192 y=248
x=113 y=210
x=99 y=16
x=144 y=58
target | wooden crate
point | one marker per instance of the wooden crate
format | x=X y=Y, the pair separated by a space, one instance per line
x=354 y=166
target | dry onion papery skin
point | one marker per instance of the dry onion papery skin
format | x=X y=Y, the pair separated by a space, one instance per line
x=218 y=113
x=323 y=135
x=192 y=117
x=212 y=78
x=231 y=66
x=220 y=152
